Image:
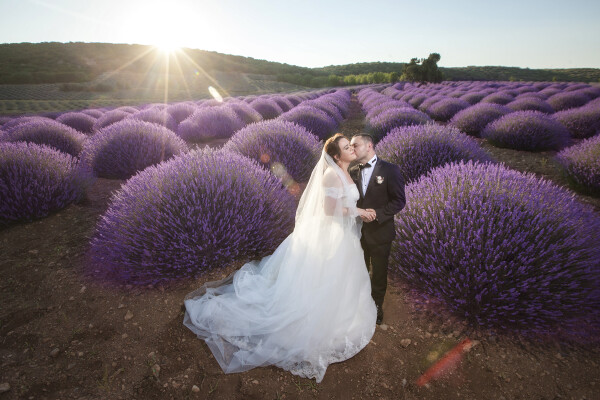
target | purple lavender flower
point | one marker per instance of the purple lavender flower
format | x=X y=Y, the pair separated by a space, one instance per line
x=244 y=112
x=498 y=98
x=181 y=111
x=380 y=125
x=197 y=212
x=283 y=103
x=36 y=180
x=581 y=163
x=445 y=109
x=268 y=108
x=79 y=121
x=129 y=146
x=418 y=149
x=314 y=120
x=156 y=116
x=110 y=118
x=210 y=123
x=530 y=103
x=566 y=100
x=527 y=130
x=500 y=248
x=473 y=119
x=582 y=122
x=283 y=147
x=93 y=112
x=48 y=132
x=473 y=97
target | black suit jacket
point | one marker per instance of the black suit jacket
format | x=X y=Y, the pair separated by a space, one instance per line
x=385 y=194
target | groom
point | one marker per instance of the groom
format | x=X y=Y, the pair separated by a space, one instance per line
x=381 y=189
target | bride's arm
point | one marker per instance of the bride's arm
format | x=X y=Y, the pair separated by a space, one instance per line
x=334 y=192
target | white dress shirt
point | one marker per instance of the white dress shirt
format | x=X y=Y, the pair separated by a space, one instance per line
x=366 y=174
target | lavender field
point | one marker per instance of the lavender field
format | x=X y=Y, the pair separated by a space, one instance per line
x=108 y=216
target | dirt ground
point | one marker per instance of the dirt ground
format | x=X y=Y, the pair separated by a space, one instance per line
x=65 y=336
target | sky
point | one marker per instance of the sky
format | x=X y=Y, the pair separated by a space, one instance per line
x=309 y=33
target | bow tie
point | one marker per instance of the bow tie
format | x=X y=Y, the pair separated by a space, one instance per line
x=363 y=166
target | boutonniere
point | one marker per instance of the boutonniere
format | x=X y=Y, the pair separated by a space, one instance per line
x=379 y=180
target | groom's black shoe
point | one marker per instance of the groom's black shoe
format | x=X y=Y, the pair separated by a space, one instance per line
x=379 y=315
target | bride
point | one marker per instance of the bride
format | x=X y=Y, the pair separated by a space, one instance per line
x=308 y=304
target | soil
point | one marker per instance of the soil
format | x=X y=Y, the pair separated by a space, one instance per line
x=63 y=335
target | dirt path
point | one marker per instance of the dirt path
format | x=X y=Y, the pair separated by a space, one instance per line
x=63 y=336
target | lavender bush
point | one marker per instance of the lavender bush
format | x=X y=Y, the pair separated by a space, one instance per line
x=180 y=111
x=267 y=108
x=36 y=180
x=581 y=163
x=315 y=120
x=503 y=249
x=48 y=132
x=110 y=118
x=445 y=109
x=276 y=144
x=473 y=119
x=156 y=116
x=209 y=123
x=394 y=118
x=196 y=212
x=582 y=122
x=79 y=121
x=127 y=147
x=566 y=100
x=530 y=103
x=245 y=113
x=498 y=98
x=418 y=149
x=527 y=130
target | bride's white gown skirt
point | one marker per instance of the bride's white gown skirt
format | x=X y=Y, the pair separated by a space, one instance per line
x=301 y=308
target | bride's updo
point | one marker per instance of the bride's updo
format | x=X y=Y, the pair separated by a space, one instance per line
x=332 y=146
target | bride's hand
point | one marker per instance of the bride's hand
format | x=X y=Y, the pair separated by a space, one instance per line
x=367 y=215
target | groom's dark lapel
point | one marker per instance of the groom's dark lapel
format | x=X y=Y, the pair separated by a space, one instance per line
x=376 y=169
x=359 y=184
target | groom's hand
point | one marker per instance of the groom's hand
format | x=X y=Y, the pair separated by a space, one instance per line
x=369 y=216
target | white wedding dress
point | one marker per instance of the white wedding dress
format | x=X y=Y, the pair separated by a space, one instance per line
x=305 y=306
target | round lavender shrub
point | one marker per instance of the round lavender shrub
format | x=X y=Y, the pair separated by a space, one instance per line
x=36 y=180
x=582 y=122
x=48 y=132
x=92 y=112
x=473 y=97
x=430 y=101
x=295 y=100
x=13 y=122
x=418 y=149
x=527 y=130
x=156 y=116
x=316 y=121
x=244 y=112
x=498 y=98
x=566 y=100
x=180 y=111
x=267 y=108
x=384 y=106
x=194 y=213
x=127 y=147
x=327 y=107
x=283 y=103
x=503 y=249
x=128 y=109
x=110 y=118
x=380 y=125
x=530 y=103
x=79 y=121
x=445 y=109
x=473 y=119
x=581 y=164
x=209 y=123
x=275 y=144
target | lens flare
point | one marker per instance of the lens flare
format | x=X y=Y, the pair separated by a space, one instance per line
x=215 y=93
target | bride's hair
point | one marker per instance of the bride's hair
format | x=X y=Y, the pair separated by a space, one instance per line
x=332 y=146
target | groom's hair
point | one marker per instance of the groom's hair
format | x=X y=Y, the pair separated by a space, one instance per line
x=366 y=137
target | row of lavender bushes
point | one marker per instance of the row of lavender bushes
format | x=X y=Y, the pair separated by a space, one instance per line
x=119 y=143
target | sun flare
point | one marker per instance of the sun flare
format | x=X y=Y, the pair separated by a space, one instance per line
x=167 y=48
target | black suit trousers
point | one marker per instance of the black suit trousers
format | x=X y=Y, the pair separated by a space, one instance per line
x=377 y=256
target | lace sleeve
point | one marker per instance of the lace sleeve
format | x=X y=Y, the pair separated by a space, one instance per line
x=334 y=192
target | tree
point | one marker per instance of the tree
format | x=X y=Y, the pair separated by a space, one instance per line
x=422 y=70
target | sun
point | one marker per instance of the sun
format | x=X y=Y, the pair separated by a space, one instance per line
x=167 y=48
